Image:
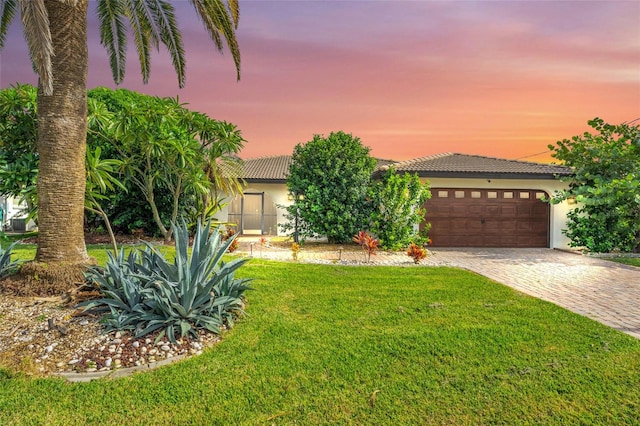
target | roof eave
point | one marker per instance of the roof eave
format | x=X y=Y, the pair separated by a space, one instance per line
x=263 y=180
x=488 y=175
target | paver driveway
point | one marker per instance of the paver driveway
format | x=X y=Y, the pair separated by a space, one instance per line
x=605 y=291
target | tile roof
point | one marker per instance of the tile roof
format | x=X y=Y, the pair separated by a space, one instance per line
x=267 y=169
x=275 y=168
x=463 y=165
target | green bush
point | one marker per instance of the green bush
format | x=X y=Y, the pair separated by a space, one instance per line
x=143 y=292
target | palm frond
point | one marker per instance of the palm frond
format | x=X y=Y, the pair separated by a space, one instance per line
x=113 y=35
x=170 y=35
x=221 y=19
x=7 y=11
x=142 y=34
x=35 y=22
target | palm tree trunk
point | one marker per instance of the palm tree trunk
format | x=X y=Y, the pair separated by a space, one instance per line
x=62 y=134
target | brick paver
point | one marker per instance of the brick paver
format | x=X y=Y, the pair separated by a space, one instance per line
x=602 y=290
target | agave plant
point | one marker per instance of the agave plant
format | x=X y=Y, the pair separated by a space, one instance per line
x=7 y=267
x=144 y=292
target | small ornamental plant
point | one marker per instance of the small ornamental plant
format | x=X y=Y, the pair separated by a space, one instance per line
x=295 y=249
x=417 y=253
x=227 y=235
x=368 y=243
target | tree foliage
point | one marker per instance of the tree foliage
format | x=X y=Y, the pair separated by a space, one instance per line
x=606 y=184
x=169 y=160
x=398 y=206
x=18 y=138
x=168 y=149
x=329 y=178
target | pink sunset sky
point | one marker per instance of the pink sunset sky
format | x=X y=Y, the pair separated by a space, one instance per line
x=410 y=79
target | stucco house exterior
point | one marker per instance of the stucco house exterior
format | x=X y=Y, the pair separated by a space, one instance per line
x=476 y=201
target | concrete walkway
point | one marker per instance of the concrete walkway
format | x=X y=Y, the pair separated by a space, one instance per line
x=602 y=290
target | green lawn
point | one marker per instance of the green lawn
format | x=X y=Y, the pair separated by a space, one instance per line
x=633 y=261
x=369 y=345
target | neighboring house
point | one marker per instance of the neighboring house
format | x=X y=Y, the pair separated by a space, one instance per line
x=476 y=201
x=14 y=215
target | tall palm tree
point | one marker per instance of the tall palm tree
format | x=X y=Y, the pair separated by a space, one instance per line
x=56 y=34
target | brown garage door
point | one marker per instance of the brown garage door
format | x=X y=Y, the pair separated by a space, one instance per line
x=488 y=218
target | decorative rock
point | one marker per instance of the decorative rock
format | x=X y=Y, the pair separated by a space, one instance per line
x=165 y=348
x=143 y=350
x=108 y=362
x=153 y=351
x=116 y=341
x=84 y=322
x=49 y=349
x=118 y=335
x=136 y=344
x=73 y=361
x=112 y=349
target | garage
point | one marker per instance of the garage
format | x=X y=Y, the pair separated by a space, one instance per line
x=463 y=217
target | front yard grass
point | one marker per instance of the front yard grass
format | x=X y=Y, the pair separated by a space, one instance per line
x=633 y=261
x=328 y=344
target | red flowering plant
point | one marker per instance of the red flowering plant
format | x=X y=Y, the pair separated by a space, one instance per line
x=368 y=243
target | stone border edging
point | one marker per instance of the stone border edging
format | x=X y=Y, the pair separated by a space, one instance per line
x=120 y=372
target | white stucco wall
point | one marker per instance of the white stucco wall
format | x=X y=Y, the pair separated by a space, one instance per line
x=558 y=212
x=277 y=192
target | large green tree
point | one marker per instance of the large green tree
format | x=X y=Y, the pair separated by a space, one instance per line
x=56 y=34
x=329 y=178
x=164 y=148
x=606 y=185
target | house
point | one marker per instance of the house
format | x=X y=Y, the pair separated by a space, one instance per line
x=476 y=201
x=13 y=215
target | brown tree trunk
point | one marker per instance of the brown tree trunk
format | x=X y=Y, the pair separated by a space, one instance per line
x=62 y=134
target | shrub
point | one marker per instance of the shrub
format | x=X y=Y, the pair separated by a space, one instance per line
x=295 y=249
x=416 y=252
x=143 y=292
x=398 y=208
x=230 y=234
x=368 y=243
